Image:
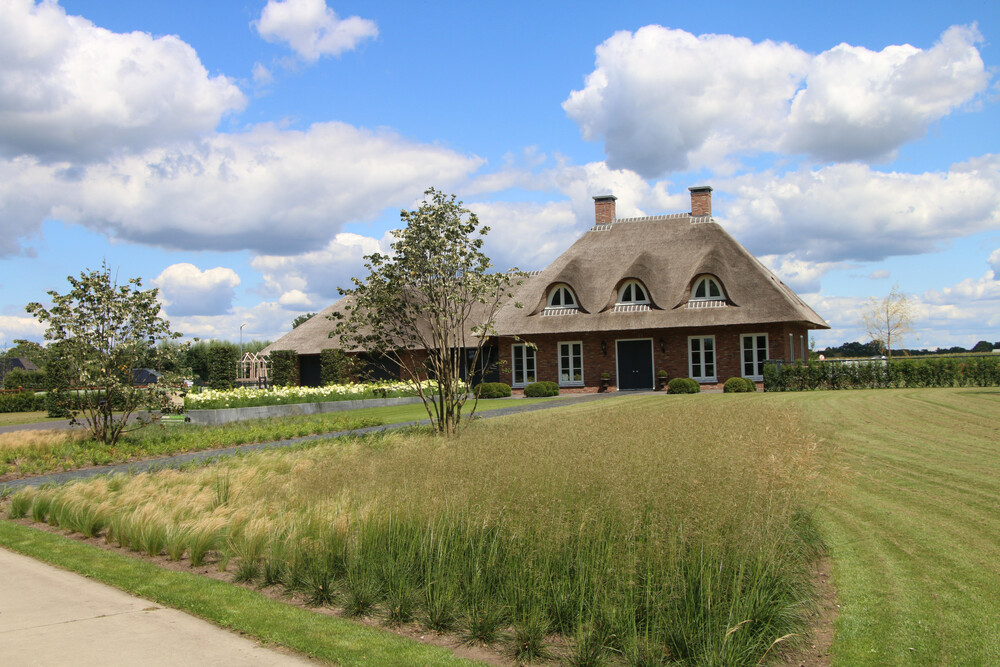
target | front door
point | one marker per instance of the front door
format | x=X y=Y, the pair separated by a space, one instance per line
x=635 y=364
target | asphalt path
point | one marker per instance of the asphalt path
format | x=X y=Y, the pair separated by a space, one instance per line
x=180 y=460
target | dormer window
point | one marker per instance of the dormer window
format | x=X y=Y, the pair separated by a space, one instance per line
x=561 y=296
x=706 y=288
x=632 y=293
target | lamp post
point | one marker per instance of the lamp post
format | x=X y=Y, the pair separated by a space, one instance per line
x=240 y=374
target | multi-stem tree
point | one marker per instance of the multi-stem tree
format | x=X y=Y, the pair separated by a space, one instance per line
x=101 y=331
x=428 y=309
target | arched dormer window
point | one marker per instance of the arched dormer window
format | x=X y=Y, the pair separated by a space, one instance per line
x=632 y=292
x=561 y=296
x=706 y=288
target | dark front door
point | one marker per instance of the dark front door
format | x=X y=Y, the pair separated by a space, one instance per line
x=635 y=364
x=309 y=370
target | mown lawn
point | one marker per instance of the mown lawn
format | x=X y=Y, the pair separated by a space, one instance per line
x=913 y=522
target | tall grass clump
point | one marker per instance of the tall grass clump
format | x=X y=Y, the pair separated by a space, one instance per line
x=686 y=539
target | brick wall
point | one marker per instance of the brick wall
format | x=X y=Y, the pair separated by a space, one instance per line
x=672 y=357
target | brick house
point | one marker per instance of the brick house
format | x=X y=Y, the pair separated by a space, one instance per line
x=631 y=297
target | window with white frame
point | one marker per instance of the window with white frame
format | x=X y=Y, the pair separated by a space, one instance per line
x=571 y=364
x=561 y=296
x=523 y=365
x=632 y=292
x=706 y=288
x=701 y=358
x=753 y=351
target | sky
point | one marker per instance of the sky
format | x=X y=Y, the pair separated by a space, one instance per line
x=243 y=156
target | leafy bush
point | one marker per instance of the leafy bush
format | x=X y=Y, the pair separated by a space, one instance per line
x=541 y=389
x=737 y=385
x=20 y=378
x=493 y=390
x=22 y=401
x=683 y=386
x=283 y=368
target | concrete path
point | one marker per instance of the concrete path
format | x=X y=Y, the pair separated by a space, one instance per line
x=49 y=616
x=182 y=459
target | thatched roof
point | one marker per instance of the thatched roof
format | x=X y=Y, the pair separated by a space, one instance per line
x=313 y=335
x=666 y=254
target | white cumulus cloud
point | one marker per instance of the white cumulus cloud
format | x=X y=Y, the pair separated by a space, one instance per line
x=72 y=90
x=269 y=190
x=311 y=28
x=849 y=212
x=318 y=273
x=186 y=290
x=664 y=100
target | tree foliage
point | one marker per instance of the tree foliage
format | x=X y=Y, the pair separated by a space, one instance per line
x=302 y=319
x=430 y=306
x=888 y=320
x=101 y=330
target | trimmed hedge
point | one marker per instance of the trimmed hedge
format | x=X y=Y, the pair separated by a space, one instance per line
x=223 y=362
x=541 y=389
x=492 y=390
x=336 y=367
x=284 y=371
x=880 y=374
x=19 y=377
x=737 y=385
x=23 y=401
x=683 y=386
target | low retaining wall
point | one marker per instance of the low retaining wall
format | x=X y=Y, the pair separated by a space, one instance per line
x=227 y=415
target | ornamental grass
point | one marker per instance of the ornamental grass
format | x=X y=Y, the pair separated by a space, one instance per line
x=637 y=529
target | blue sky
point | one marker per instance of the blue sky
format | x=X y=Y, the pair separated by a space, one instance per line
x=243 y=156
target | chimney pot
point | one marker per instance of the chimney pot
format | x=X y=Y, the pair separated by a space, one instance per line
x=701 y=201
x=604 y=209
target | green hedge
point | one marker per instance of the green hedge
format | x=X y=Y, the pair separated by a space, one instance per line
x=23 y=401
x=336 y=367
x=683 y=386
x=541 y=389
x=737 y=385
x=223 y=362
x=879 y=374
x=492 y=390
x=19 y=377
x=284 y=370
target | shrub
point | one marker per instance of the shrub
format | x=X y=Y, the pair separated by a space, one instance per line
x=19 y=377
x=541 y=389
x=24 y=401
x=683 y=386
x=283 y=371
x=336 y=367
x=492 y=390
x=739 y=385
x=222 y=365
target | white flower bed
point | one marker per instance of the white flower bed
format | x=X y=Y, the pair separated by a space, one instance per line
x=252 y=396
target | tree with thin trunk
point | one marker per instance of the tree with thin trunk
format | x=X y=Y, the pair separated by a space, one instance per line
x=101 y=330
x=428 y=309
x=887 y=321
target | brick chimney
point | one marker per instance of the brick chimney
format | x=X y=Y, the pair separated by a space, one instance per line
x=604 y=209
x=701 y=200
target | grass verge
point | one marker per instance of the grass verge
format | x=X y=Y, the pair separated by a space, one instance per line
x=325 y=637
x=18 y=418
